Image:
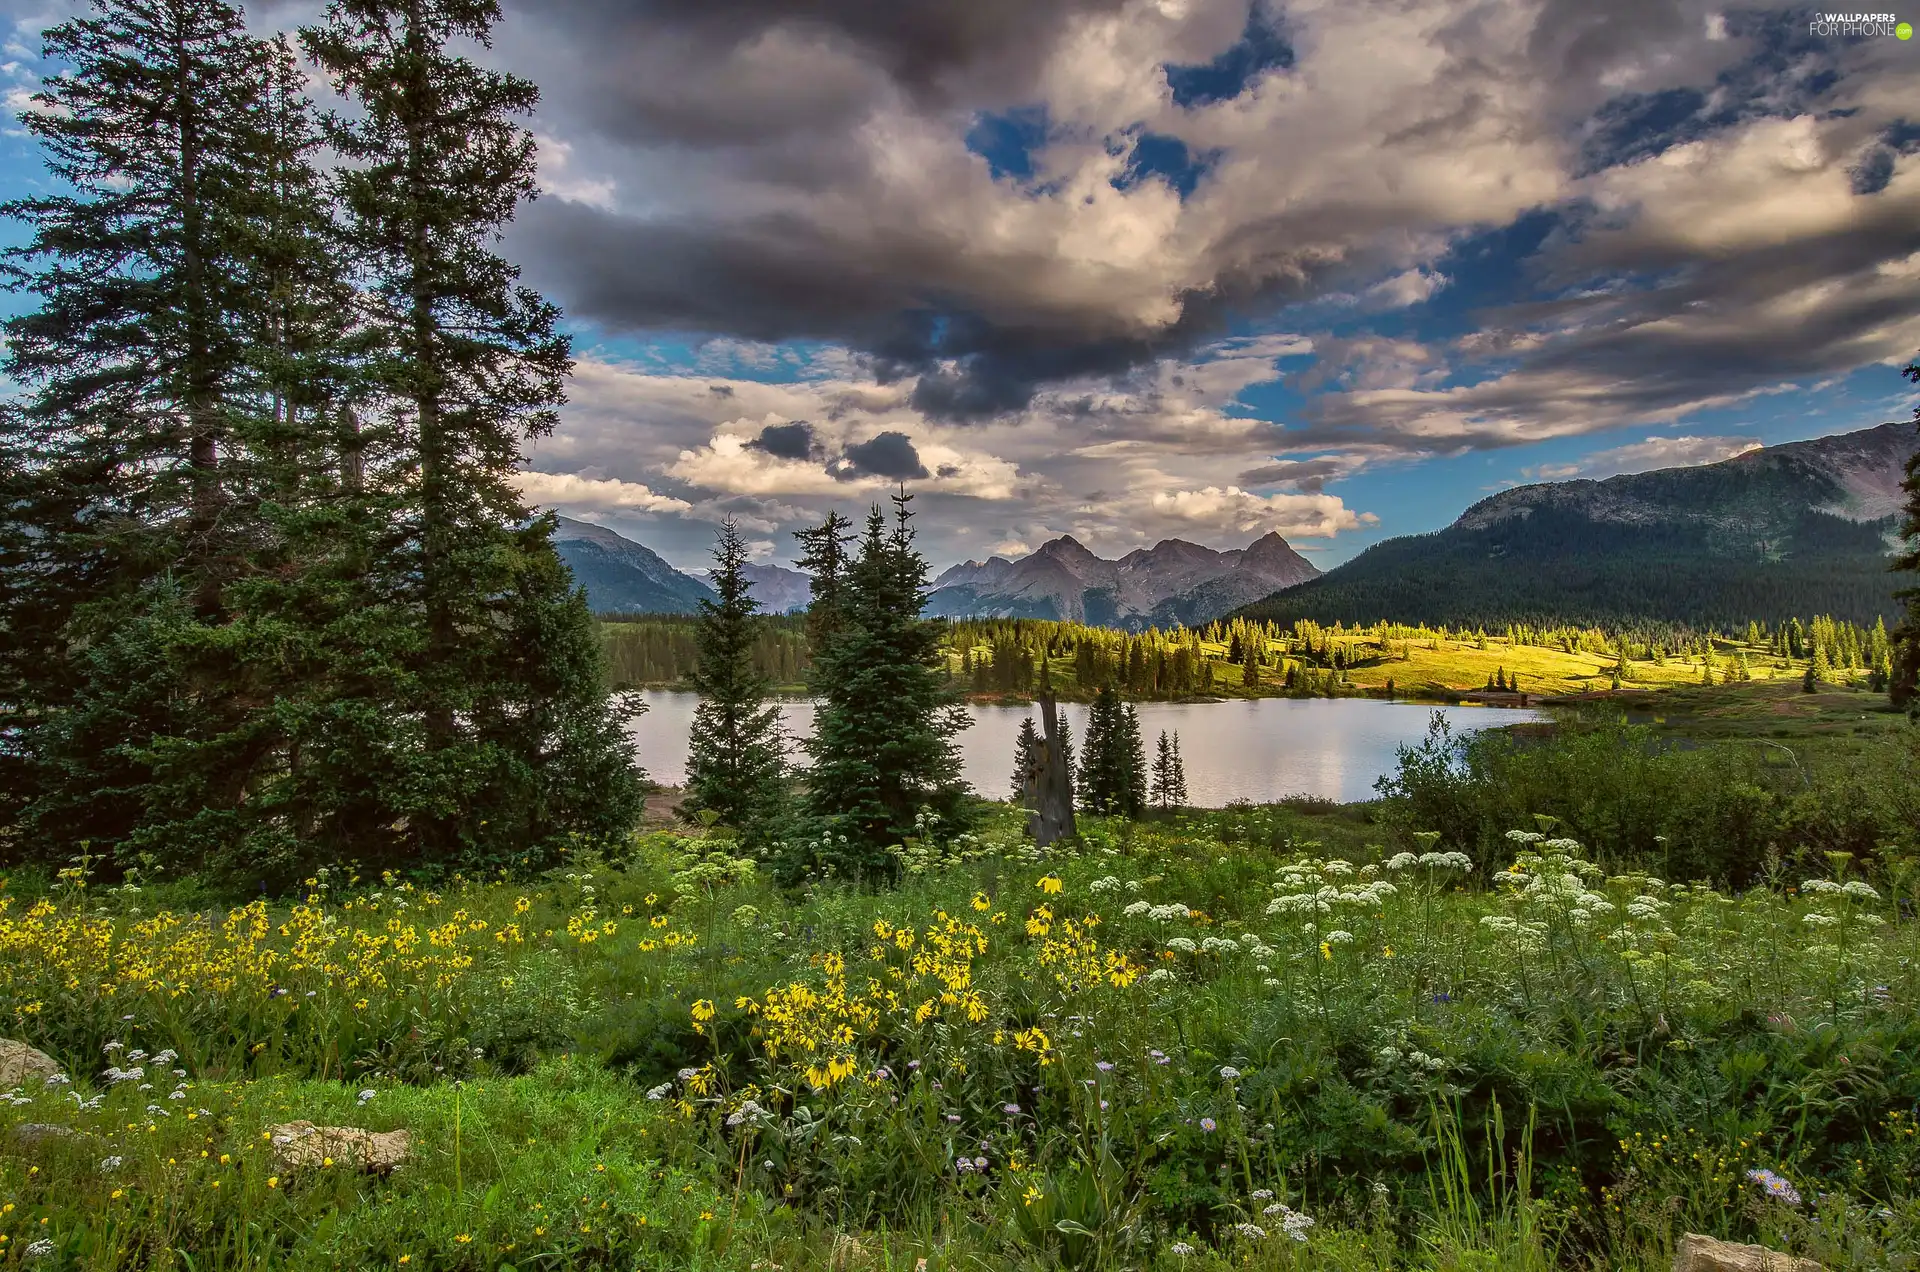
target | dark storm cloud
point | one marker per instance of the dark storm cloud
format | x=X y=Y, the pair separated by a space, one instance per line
x=783 y=278
x=1307 y=475
x=891 y=455
x=692 y=71
x=1719 y=331
x=890 y=176
x=787 y=441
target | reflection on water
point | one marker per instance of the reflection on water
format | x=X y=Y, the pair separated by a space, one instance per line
x=1257 y=749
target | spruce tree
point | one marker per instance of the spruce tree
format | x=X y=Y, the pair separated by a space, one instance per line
x=1027 y=748
x=1903 y=679
x=1099 y=772
x=138 y=699
x=503 y=745
x=1177 y=789
x=1070 y=764
x=1169 y=781
x=735 y=762
x=882 y=744
x=1133 y=759
x=823 y=559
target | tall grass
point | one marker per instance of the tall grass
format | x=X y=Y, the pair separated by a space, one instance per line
x=1183 y=1044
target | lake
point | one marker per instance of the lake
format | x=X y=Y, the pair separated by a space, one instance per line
x=1254 y=749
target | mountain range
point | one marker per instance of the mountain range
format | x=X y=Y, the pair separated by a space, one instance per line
x=1172 y=582
x=778 y=589
x=624 y=577
x=1801 y=528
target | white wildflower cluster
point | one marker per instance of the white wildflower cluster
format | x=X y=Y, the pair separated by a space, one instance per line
x=1112 y=884
x=749 y=1112
x=1432 y=862
x=1550 y=877
x=1292 y=1222
x=1859 y=889
x=1252 y=943
x=1412 y=1059
x=1158 y=913
x=1835 y=907
x=1182 y=945
x=1311 y=888
x=1219 y=945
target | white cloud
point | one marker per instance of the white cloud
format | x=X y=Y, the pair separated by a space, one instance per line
x=558 y=178
x=1232 y=511
x=1638 y=457
x=571 y=492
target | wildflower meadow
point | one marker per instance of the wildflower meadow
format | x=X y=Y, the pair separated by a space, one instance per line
x=1181 y=1044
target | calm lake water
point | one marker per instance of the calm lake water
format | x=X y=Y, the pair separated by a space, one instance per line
x=1258 y=749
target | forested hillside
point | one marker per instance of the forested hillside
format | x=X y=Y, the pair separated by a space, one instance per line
x=1797 y=529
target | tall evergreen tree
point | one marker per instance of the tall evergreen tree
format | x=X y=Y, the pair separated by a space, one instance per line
x=1098 y=771
x=504 y=743
x=1134 y=763
x=131 y=683
x=1904 y=671
x=1113 y=765
x=882 y=744
x=1163 y=794
x=1069 y=762
x=823 y=558
x=735 y=761
x=1027 y=749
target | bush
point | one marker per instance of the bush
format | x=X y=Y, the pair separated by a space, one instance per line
x=1717 y=811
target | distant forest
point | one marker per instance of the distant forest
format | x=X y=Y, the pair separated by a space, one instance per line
x=1556 y=568
x=661 y=649
x=1234 y=657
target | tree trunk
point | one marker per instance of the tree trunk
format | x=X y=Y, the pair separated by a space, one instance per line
x=1048 y=793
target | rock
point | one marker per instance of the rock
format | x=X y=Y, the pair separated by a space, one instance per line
x=298 y=1145
x=19 y=1062
x=1705 y=1254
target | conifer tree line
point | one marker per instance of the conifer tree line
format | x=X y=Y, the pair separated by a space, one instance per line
x=1306 y=658
x=883 y=766
x=268 y=597
x=664 y=649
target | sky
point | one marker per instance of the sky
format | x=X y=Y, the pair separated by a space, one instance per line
x=1201 y=269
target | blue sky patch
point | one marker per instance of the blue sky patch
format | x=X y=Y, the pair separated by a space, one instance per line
x=1007 y=141
x=1159 y=155
x=1260 y=48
